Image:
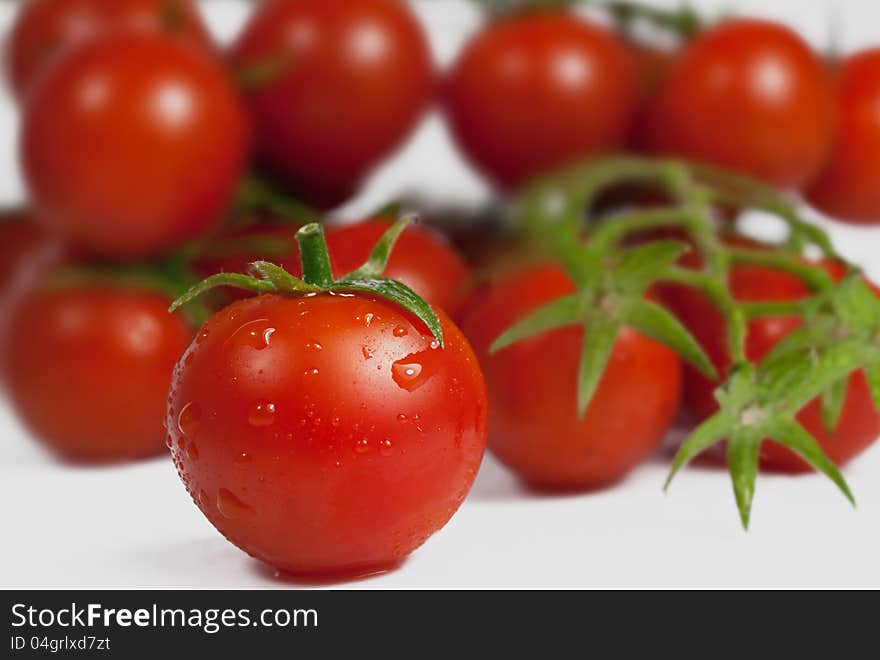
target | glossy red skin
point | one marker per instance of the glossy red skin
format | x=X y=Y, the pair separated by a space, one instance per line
x=352 y=471
x=534 y=92
x=144 y=162
x=847 y=189
x=360 y=78
x=22 y=242
x=859 y=424
x=88 y=370
x=421 y=259
x=736 y=97
x=44 y=30
x=535 y=429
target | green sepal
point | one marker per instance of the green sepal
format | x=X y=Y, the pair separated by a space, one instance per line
x=788 y=432
x=743 y=449
x=659 y=324
x=600 y=334
x=709 y=433
x=236 y=280
x=378 y=259
x=641 y=266
x=398 y=293
x=832 y=405
x=872 y=377
x=565 y=311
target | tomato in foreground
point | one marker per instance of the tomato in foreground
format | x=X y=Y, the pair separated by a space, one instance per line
x=859 y=424
x=327 y=434
x=423 y=260
x=847 y=189
x=334 y=87
x=749 y=95
x=133 y=145
x=44 y=30
x=536 y=91
x=535 y=428
x=88 y=369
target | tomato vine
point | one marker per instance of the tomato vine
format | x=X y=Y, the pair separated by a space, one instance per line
x=840 y=334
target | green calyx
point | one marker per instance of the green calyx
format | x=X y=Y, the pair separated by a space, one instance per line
x=265 y=277
x=610 y=296
x=614 y=259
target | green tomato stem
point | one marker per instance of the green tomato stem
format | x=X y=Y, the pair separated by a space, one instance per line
x=314 y=256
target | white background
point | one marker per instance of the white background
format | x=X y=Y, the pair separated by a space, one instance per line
x=134 y=526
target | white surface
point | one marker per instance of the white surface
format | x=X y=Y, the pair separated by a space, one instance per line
x=134 y=526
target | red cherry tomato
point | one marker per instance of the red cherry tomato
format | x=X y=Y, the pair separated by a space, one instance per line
x=147 y=151
x=859 y=423
x=535 y=429
x=536 y=91
x=353 y=77
x=422 y=259
x=88 y=369
x=46 y=29
x=848 y=187
x=738 y=97
x=326 y=434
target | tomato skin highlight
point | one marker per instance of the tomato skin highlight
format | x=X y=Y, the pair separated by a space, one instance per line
x=326 y=434
x=538 y=91
x=146 y=158
x=88 y=370
x=736 y=98
x=422 y=260
x=859 y=424
x=45 y=30
x=535 y=429
x=848 y=189
x=359 y=77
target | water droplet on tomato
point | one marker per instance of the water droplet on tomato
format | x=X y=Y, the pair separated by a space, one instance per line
x=190 y=419
x=386 y=447
x=362 y=446
x=204 y=500
x=368 y=319
x=400 y=331
x=230 y=506
x=401 y=417
x=262 y=414
x=169 y=441
x=192 y=451
x=408 y=374
x=242 y=457
x=415 y=370
x=314 y=346
x=311 y=372
x=367 y=352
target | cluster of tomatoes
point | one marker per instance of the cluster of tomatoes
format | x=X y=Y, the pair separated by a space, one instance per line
x=329 y=429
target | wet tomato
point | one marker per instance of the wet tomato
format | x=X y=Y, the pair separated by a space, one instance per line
x=88 y=369
x=848 y=187
x=44 y=30
x=736 y=97
x=535 y=428
x=339 y=85
x=536 y=91
x=326 y=434
x=148 y=154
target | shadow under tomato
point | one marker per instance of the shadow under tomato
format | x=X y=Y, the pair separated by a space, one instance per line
x=279 y=577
